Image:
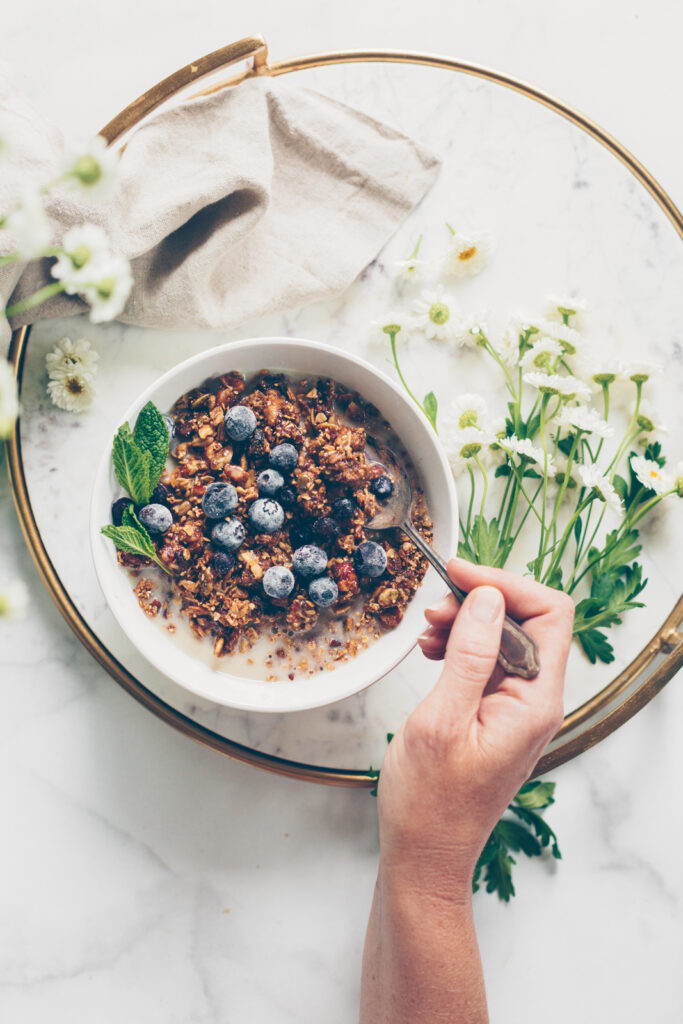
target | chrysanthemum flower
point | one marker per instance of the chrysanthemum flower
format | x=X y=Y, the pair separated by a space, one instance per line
x=72 y=392
x=524 y=446
x=86 y=249
x=649 y=420
x=651 y=475
x=466 y=255
x=580 y=417
x=94 y=167
x=558 y=306
x=553 y=384
x=72 y=356
x=594 y=479
x=377 y=334
x=638 y=371
x=542 y=355
x=108 y=294
x=434 y=314
x=468 y=330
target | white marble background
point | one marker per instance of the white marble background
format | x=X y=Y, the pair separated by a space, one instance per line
x=146 y=878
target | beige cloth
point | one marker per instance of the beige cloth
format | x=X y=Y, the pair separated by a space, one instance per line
x=258 y=198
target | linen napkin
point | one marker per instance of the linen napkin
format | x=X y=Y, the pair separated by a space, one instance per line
x=258 y=198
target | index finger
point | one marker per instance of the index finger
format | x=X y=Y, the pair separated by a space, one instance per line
x=524 y=598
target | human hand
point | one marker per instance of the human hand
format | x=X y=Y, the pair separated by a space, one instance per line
x=455 y=764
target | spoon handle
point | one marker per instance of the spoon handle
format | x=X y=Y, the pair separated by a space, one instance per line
x=518 y=654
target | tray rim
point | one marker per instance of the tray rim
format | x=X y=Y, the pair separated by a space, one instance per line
x=565 y=746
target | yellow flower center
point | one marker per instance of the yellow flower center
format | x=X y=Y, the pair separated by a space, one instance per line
x=80 y=256
x=468 y=419
x=467 y=254
x=87 y=170
x=439 y=313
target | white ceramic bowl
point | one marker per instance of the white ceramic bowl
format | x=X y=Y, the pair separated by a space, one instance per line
x=297 y=357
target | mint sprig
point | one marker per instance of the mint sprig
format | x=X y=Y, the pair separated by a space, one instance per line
x=133 y=538
x=151 y=435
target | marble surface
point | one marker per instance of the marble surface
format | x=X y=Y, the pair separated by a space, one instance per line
x=149 y=878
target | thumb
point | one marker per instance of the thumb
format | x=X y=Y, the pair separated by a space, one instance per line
x=472 y=649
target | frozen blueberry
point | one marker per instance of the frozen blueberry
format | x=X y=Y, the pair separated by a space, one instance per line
x=325 y=529
x=343 y=509
x=284 y=457
x=155 y=518
x=323 y=591
x=266 y=515
x=299 y=534
x=220 y=499
x=382 y=486
x=228 y=534
x=278 y=581
x=309 y=561
x=117 y=510
x=159 y=495
x=222 y=562
x=370 y=559
x=269 y=482
x=287 y=497
x=240 y=422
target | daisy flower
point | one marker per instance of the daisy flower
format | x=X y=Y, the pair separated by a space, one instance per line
x=413 y=268
x=14 y=600
x=72 y=392
x=594 y=479
x=86 y=248
x=434 y=314
x=542 y=355
x=651 y=475
x=648 y=419
x=524 y=446
x=463 y=445
x=509 y=346
x=393 y=318
x=468 y=330
x=466 y=255
x=467 y=411
x=580 y=417
x=93 y=166
x=598 y=370
x=553 y=384
x=559 y=306
x=638 y=370
x=9 y=403
x=71 y=356
x=567 y=337
x=29 y=226
x=108 y=294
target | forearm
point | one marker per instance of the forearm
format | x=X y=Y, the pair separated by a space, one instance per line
x=421 y=959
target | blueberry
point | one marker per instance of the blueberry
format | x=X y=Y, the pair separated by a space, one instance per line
x=117 y=510
x=299 y=534
x=382 y=486
x=325 y=529
x=343 y=509
x=219 y=500
x=287 y=497
x=278 y=581
x=155 y=518
x=240 y=422
x=266 y=515
x=159 y=495
x=309 y=561
x=370 y=559
x=222 y=562
x=228 y=534
x=323 y=591
x=284 y=456
x=269 y=482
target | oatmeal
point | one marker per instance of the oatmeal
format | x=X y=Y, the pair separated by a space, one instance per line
x=259 y=520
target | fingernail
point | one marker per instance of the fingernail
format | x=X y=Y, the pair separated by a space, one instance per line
x=424 y=636
x=442 y=606
x=486 y=604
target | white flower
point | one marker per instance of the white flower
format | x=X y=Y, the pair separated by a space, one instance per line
x=597 y=369
x=72 y=392
x=378 y=336
x=29 y=227
x=553 y=384
x=434 y=314
x=648 y=420
x=72 y=356
x=469 y=411
x=573 y=308
x=651 y=475
x=94 y=166
x=463 y=445
x=524 y=446
x=638 y=371
x=542 y=355
x=87 y=248
x=466 y=255
x=9 y=403
x=13 y=600
x=467 y=330
x=570 y=339
x=108 y=295
x=580 y=417
x=410 y=270
x=593 y=478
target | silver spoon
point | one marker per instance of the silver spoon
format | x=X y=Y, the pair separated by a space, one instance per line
x=518 y=654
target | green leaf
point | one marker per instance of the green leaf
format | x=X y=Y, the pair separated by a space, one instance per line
x=151 y=435
x=503 y=470
x=134 y=542
x=498 y=874
x=596 y=646
x=485 y=537
x=565 y=444
x=535 y=794
x=431 y=407
x=518 y=838
x=578 y=527
x=555 y=578
x=541 y=828
x=621 y=487
x=132 y=466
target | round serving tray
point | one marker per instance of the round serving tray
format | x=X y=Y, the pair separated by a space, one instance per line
x=275 y=745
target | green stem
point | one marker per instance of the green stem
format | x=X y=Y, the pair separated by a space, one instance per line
x=483 y=501
x=392 y=335
x=35 y=300
x=627 y=439
x=544 y=405
x=605 y=400
x=471 y=503
x=566 y=534
x=588 y=546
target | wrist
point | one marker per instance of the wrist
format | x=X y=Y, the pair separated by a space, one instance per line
x=425 y=881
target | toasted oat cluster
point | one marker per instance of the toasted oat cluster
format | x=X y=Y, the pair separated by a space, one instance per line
x=301 y=489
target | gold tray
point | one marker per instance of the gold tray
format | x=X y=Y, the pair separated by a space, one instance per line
x=595 y=719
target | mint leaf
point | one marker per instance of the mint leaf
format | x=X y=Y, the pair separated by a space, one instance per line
x=133 y=539
x=132 y=466
x=151 y=435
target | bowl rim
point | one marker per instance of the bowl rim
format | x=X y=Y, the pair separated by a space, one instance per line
x=103 y=565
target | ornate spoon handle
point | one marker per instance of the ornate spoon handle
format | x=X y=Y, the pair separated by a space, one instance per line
x=518 y=654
